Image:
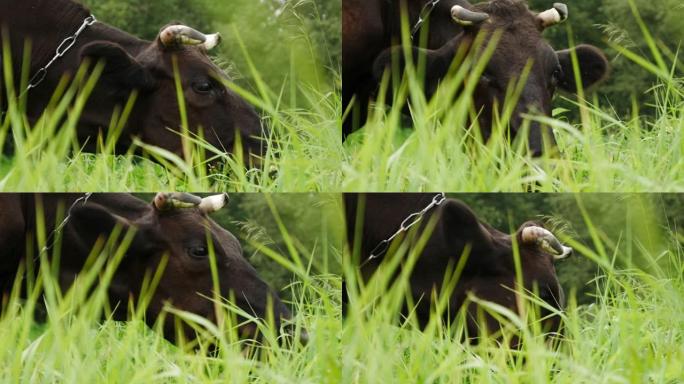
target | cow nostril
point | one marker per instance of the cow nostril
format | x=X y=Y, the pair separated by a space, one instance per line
x=248 y=331
x=291 y=334
x=304 y=337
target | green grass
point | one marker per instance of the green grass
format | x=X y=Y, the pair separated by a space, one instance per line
x=299 y=156
x=632 y=332
x=597 y=150
x=78 y=341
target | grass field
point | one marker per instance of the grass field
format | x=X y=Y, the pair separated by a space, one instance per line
x=304 y=154
x=631 y=332
x=299 y=158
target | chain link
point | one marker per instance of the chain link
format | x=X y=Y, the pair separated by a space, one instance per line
x=50 y=240
x=406 y=224
x=61 y=50
x=424 y=14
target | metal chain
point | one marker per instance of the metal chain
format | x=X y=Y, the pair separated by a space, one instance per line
x=62 y=49
x=424 y=14
x=408 y=222
x=50 y=239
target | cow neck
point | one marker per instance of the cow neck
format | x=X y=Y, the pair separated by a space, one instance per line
x=62 y=17
x=406 y=224
x=423 y=16
x=59 y=229
x=122 y=204
x=131 y=44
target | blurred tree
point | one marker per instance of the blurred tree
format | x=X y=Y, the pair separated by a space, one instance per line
x=600 y=22
x=146 y=18
x=311 y=221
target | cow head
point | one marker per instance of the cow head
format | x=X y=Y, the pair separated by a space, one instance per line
x=178 y=227
x=520 y=43
x=489 y=272
x=219 y=112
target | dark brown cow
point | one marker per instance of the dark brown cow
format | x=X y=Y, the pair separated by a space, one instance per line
x=489 y=271
x=521 y=41
x=371 y=26
x=173 y=226
x=131 y=64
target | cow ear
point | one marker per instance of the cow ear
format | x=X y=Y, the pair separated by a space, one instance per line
x=121 y=69
x=91 y=222
x=458 y=220
x=593 y=67
x=435 y=65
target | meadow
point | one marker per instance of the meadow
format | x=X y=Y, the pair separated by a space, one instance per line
x=629 y=329
x=50 y=335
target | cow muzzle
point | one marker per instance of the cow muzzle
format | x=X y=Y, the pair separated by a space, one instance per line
x=546 y=241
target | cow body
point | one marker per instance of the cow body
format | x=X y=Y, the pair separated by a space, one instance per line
x=372 y=26
x=132 y=65
x=488 y=273
x=521 y=43
x=161 y=231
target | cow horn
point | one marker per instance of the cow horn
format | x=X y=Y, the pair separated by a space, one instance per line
x=177 y=35
x=213 y=203
x=168 y=201
x=553 y=16
x=546 y=240
x=467 y=17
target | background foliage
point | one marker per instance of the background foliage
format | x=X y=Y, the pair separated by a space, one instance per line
x=607 y=22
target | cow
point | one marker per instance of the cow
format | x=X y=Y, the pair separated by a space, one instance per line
x=488 y=268
x=172 y=230
x=371 y=26
x=131 y=65
x=368 y=52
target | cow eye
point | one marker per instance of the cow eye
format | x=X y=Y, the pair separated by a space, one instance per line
x=198 y=252
x=486 y=79
x=556 y=76
x=202 y=86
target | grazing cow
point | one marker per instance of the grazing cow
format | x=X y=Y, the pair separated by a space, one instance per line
x=368 y=51
x=488 y=272
x=174 y=226
x=132 y=64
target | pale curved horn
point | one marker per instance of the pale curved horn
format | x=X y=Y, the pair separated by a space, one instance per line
x=213 y=203
x=212 y=41
x=176 y=35
x=168 y=201
x=546 y=240
x=556 y=15
x=467 y=17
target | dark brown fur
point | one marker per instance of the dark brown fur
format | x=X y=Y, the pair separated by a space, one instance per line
x=132 y=64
